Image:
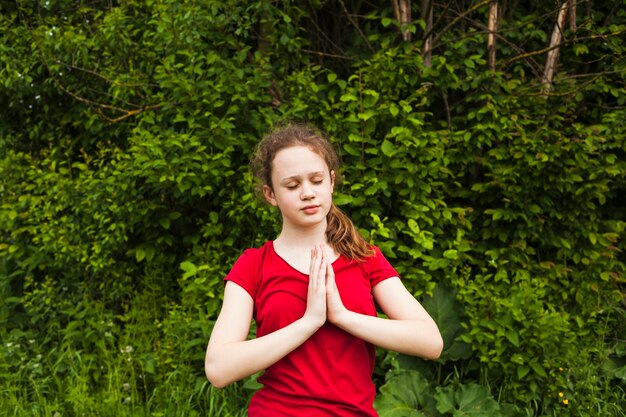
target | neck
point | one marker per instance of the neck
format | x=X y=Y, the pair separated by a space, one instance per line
x=302 y=237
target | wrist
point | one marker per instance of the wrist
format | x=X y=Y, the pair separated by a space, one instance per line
x=342 y=318
x=311 y=324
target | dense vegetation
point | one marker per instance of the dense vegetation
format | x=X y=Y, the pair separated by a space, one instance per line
x=497 y=190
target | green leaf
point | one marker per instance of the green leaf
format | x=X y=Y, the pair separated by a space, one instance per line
x=150 y=251
x=538 y=369
x=190 y=269
x=341 y=199
x=164 y=222
x=471 y=400
x=448 y=314
x=580 y=49
x=386 y=21
x=408 y=394
x=522 y=371
x=388 y=148
x=512 y=336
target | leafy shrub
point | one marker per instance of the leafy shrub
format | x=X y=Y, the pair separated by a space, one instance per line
x=125 y=197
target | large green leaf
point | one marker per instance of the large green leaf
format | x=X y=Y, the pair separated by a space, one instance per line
x=448 y=314
x=408 y=394
x=471 y=400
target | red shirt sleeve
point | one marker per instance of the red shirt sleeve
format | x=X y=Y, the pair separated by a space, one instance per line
x=378 y=268
x=245 y=271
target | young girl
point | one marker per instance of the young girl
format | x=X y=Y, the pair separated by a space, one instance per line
x=313 y=292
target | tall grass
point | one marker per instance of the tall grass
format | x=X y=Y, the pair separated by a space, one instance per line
x=75 y=386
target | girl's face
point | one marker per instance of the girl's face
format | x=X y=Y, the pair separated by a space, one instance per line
x=302 y=186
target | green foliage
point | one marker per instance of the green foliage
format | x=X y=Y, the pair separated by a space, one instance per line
x=125 y=196
x=410 y=394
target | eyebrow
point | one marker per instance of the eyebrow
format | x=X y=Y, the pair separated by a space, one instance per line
x=297 y=177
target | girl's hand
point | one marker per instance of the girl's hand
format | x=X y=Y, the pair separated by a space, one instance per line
x=316 y=295
x=334 y=306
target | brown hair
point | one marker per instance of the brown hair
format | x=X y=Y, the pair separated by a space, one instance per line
x=341 y=233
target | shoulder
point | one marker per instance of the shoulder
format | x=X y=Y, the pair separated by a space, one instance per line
x=376 y=256
x=377 y=267
x=245 y=270
x=252 y=256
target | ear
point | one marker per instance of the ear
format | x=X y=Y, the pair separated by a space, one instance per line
x=269 y=195
x=332 y=181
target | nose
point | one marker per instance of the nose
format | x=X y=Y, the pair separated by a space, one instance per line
x=307 y=192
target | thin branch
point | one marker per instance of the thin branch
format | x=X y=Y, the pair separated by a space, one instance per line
x=96 y=105
x=484 y=30
x=447 y=107
x=97 y=74
x=460 y=17
x=440 y=17
x=127 y=113
x=326 y=54
x=594 y=76
x=113 y=98
x=544 y=50
x=534 y=65
x=356 y=25
x=323 y=32
x=131 y=113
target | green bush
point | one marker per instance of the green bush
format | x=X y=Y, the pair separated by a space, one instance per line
x=125 y=197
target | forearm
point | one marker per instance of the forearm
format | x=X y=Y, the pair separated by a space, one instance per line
x=418 y=337
x=229 y=362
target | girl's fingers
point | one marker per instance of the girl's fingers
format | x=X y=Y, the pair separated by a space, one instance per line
x=317 y=274
x=330 y=279
x=316 y=302
x=321 y=273
x=315 y=263
x=334 y=305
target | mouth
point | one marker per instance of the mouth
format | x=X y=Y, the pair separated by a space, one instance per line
x=310 y=209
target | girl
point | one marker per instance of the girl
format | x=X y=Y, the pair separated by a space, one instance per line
x=313 y=293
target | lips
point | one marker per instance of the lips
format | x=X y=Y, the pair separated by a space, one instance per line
x=310 y=209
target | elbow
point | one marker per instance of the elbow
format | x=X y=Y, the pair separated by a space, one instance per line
x=437 y=344
x=215 y=376
x=433 y=346
x=436 y=348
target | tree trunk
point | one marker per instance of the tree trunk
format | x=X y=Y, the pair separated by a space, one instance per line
x=491 y=37
x=427 y=16
x=553 y=50
x=402 y=10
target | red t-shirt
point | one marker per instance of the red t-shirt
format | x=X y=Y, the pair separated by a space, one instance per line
x=330 y=374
